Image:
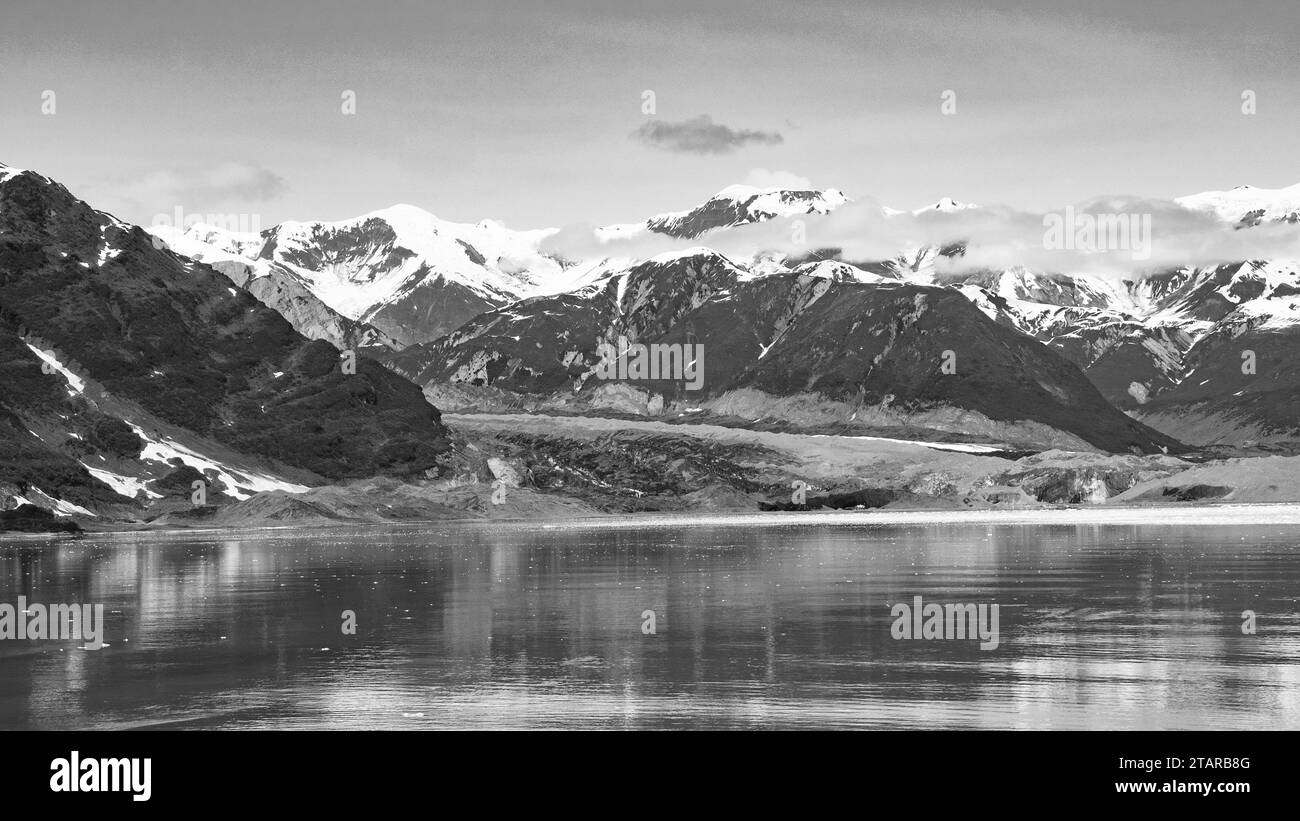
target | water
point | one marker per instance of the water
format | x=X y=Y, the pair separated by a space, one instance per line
x=489 y=626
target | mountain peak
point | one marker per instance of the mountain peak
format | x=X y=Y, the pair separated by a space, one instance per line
x=1262 y=204
x=743 y=204
x=703 y=251
x=945 y=205
x=402 y=215
x=740 y=192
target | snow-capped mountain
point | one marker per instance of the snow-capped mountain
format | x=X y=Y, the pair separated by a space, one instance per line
x=1247 y=205
x=400 y=270
x=414 y=278
x=946 y=205
x=824 y=345
x=361 y=264
x=127 y=372
x=234 y=254
x=741 y=205
x=1143 y=341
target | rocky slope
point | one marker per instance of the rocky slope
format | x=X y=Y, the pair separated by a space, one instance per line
x=130 y=372
x=234 y=254
x=858 y=348
x=281 y=290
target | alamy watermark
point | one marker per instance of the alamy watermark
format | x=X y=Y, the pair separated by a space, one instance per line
x=921 y=621
x=1072 y=231
x=77 y=774
x=59 y=622
x=682 y=362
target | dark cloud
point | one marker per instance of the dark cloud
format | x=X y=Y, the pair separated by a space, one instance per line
x=701 y=135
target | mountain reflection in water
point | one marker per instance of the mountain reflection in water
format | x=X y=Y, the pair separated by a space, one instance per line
x=490 y=625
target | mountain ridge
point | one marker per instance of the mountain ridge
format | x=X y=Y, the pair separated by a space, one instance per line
x=1132 y=336
x=181 y=376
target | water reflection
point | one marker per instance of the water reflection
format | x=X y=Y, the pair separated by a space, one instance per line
x=492 y=626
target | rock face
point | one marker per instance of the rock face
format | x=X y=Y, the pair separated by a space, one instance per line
x=97 y=324
x=741 y=205
x=304 y=310
x=234 y=255
x=1056 y=477
x=877 y=348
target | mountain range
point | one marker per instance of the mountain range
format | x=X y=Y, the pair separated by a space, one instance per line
x=136 y=362
x=1165 y=347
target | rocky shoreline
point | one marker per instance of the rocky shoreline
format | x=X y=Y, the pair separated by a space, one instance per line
x=534 y=467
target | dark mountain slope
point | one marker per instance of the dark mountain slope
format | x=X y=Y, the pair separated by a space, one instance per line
x=29 y=463
x=174 y=337
x=1219 y=403
x=875 y=346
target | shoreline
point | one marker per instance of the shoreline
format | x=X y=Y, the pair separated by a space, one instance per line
x=1223 y=515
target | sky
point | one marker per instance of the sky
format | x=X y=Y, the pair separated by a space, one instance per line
x=535 y=114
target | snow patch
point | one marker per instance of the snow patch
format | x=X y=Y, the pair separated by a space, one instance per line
x=128 y=486
x=161 y=449
x=76 y=383
x=58 y=506
x=961 y=447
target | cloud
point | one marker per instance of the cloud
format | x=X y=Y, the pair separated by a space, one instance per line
x=701 y=135
x=224 y=186
x=235 y=180
x=762 y=178
x=1162 y=235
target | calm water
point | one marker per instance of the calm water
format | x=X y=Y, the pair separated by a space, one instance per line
x=755 y=627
